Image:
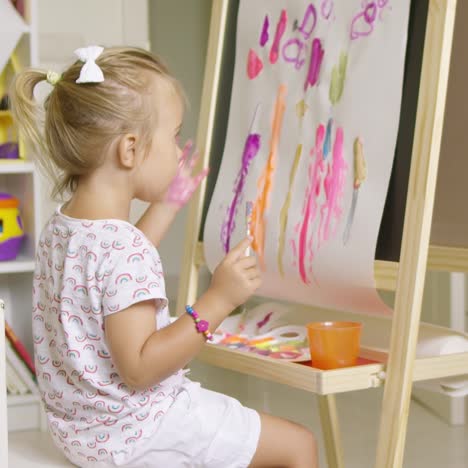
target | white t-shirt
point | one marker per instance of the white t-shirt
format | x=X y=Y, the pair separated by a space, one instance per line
x=86 y=270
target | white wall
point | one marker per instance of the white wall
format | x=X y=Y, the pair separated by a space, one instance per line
x=179 y=34
x=67 y=24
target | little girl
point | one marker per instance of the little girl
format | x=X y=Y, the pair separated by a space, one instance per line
x=109 y=362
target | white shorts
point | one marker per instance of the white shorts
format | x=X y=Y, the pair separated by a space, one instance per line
x=201 y=429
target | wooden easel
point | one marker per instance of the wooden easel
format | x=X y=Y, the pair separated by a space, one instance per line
x=397 y=368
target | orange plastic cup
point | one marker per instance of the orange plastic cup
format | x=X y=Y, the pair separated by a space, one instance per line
x=334 y=344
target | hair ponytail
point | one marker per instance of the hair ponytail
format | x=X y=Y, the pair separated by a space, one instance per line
x=29 y=117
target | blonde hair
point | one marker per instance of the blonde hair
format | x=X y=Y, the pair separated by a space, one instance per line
x=78 y=122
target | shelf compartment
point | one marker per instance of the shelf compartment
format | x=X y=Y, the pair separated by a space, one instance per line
x=16 y=166
x=24 y=187
x=24 y=412
x=22 y=264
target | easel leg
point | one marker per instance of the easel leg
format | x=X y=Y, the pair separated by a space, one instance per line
x=331 y=430
x=416 y=233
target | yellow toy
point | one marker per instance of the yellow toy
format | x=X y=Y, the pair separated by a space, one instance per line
x=11 y=144
x=11 y=227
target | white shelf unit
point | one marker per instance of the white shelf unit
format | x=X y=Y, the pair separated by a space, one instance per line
x=22 y=416
x=20 y=179
x=16 y=167
x=24 y=412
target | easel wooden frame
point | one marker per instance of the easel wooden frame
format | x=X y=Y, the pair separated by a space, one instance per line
x=398 y=367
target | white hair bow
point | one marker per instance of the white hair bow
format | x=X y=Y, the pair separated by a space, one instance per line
x=90 y=71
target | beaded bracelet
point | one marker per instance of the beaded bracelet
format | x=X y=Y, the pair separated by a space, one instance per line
x=200 y=325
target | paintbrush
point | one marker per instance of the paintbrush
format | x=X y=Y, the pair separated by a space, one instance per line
x=248 y=252
x=360 y=175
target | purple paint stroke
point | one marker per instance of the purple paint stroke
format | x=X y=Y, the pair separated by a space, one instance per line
x=298 y=63
x=310 y=11
x=316 y=57
x=327 y=8
x=360 y=28
x=264 y=36
x=251 y=148
x=370 y=13
x=363 y=23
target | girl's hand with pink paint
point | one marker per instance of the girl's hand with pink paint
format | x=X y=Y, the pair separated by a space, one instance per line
x=185 y=183
x=158 y=217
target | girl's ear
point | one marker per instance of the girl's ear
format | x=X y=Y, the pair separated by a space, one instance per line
x=126 y=151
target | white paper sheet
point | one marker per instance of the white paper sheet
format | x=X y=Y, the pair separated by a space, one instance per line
x=12 y=27
x=291 y=57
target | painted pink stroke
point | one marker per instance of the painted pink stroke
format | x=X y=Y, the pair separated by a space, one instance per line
x=280 y=29
x=316 y=169
x=184 y=183
x=327 y=8
x=334 y=187
x=254 y=64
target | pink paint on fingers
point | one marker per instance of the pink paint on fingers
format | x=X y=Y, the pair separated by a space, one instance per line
x=192 y=162
x=183 y=187
x=185 y=152
x=198 y=179
x=184 y=183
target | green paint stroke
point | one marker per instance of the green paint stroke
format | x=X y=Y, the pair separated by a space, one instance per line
x=285 y=209
x=338 y=79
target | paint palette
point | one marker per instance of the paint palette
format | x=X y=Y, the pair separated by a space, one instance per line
x=288 y=343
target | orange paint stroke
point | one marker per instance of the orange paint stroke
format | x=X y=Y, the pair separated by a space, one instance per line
x=265 y=181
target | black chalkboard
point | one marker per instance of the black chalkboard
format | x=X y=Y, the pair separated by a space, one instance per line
x=389 y=242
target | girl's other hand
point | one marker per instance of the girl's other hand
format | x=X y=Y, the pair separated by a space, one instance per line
x=237 y=277
x=185 y=183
